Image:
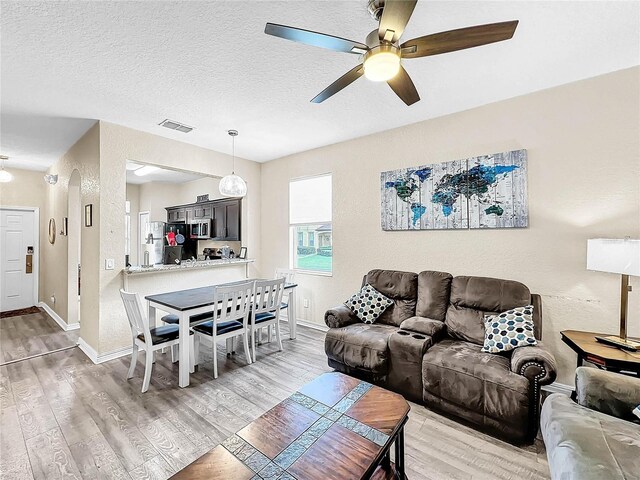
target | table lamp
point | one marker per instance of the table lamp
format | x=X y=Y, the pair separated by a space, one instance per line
x=616 y=256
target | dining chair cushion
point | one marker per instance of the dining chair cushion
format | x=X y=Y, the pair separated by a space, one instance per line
x=284 y=305
x=264 y=317
x=222 y=328
x=173 y=319
x=163 y=334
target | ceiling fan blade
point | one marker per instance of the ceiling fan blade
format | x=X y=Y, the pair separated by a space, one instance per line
x=459 y=39
x=345 y=80
x=404 y=87
x=314 y=38
x=395 y=16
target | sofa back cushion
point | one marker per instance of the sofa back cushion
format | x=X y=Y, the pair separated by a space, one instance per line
x=473 y=297
x=401 y=287
x=433 y=294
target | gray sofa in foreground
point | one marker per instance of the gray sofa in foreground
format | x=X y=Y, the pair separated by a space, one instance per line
x=598 y=437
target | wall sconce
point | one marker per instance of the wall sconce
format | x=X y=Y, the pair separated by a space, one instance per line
x=51 y=179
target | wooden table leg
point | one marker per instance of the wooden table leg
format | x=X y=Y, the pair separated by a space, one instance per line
x=184 y=343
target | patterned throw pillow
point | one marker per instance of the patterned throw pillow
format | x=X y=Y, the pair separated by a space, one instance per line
x=368 y=304
x=509 y=330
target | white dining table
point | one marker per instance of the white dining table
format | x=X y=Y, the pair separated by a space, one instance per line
x=186 y=303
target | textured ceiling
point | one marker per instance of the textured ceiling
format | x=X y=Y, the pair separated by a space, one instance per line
x=209 y=65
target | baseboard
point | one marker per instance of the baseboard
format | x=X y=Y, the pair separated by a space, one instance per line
x=90 y=352
x=58 y=319
x=304 y=323
x=556 y=387
x=312 y=325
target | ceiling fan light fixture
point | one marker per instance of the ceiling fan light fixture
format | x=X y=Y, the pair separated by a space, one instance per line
x=382 y=63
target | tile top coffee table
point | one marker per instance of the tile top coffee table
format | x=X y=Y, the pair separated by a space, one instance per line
x=336 y=427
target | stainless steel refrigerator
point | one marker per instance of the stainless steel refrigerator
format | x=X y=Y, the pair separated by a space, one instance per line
x=154 y=235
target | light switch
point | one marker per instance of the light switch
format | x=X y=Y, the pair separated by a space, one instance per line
x=109 y=264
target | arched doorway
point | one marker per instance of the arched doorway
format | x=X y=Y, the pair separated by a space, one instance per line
x=74 y=231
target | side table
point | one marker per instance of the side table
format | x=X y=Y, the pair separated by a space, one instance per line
x=603 y=356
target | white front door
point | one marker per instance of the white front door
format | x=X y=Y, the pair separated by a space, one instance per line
x=19 y=256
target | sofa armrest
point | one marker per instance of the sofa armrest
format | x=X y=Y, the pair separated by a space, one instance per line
x=607 y=392
x=340 y=316
x=423 y=325
x=535 y=363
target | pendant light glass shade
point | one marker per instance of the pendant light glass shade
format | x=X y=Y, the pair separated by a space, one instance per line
x=233 y=185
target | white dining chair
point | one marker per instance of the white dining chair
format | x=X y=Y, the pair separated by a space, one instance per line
x=148 y=339
x=230 y=319
x=289 y=276
x=265 y=311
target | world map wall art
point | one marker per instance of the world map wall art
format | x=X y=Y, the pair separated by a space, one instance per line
x=489 y=191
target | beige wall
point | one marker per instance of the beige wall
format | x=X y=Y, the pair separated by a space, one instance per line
x=584 y=181
x=28 y=189
x=84 y=157
x=119 y=144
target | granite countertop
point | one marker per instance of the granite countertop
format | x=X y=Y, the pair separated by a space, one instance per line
x=186 y=265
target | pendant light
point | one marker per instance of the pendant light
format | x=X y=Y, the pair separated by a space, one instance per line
x=4 y=175
x=233 y=185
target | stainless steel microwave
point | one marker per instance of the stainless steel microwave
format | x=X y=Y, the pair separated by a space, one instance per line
x=200 y=229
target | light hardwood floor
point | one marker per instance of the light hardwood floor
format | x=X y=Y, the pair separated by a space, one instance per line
x=27 y=335
x=64 y=417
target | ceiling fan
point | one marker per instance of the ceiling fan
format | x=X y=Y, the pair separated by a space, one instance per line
x=382 y=51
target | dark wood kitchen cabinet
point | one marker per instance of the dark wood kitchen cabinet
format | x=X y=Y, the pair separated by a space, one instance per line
x=176 y=215
x=226 y=220
x=225 y=215
x=203 y=211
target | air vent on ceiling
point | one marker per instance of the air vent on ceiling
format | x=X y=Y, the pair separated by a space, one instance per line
x=173 y=125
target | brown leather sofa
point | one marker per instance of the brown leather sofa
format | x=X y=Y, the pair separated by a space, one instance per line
x=427 y=347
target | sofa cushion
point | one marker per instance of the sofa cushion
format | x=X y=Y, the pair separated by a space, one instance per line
x=460 y=374
x=474 y=297
x=433 y=294
x=401 y=287
x=586 y=444
x=363 y=346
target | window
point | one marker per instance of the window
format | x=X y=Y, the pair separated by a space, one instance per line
x=310 y=219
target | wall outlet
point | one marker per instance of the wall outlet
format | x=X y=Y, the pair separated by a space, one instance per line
x=109 y=264
x=305 y=303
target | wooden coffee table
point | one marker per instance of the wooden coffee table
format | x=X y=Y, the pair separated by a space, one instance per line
x=336 y=427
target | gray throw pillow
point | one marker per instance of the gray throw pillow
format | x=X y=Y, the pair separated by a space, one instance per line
x=368 y=304
x=509 y=330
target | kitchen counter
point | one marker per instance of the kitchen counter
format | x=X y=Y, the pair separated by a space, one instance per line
x=136 y=270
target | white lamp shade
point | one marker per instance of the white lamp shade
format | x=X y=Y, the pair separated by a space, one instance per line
x=233 y=186
x=614 y=255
